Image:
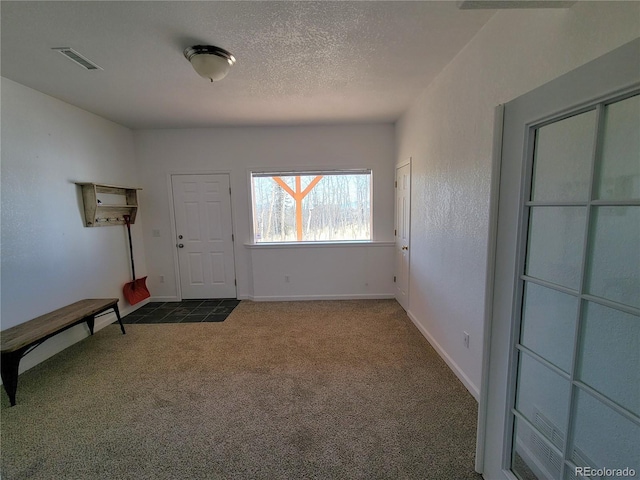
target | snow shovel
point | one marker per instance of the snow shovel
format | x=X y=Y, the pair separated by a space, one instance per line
x=134 y=291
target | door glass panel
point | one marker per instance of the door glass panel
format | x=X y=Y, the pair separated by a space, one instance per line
x=619 y=177
x=602 y=438
x=615 y=254
x=561 y=169
x=609 y=357
x=555 y=245
x=533 y=457
x=542 y=398
x=548 y=324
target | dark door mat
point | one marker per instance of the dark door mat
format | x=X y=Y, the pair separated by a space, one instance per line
x=187 y=311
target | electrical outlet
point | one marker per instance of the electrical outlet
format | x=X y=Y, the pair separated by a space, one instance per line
x=466 y=339
x=286 y=279
x=161 y=278
x=155 y=233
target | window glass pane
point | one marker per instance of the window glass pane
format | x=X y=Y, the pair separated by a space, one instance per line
x=561 y=168
x=533 y=458
x=609 y=357
x=603 y=438
x=312 y=207
x=614 y=272
x=555 y=245
x=542 y=397
x=620 y=164
x=548 y=324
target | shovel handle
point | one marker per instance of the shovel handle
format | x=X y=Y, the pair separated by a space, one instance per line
x=127 y=221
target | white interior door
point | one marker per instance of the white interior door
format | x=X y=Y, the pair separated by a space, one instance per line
x=204 y=235
x=403 y=226
x=564 y=366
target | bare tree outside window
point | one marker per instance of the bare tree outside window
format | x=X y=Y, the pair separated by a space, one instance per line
x=312 y=206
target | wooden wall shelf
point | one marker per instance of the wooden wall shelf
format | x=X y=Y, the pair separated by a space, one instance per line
x=106 y=205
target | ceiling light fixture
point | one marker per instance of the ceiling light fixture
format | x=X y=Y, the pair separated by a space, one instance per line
x=210 y=62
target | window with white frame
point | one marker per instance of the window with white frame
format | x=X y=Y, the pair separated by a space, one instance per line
x=311 y=206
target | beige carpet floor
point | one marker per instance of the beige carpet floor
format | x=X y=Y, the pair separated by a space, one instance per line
x=300 y=390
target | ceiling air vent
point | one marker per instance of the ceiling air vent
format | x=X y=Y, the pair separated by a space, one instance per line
x=500 y=4
x=71 y=54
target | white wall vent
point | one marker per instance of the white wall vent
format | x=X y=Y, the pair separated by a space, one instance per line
x=74 y=56
x=502 y=4
x=552 y=432
x=581 y=460
x=545 y=455
x=548 y=457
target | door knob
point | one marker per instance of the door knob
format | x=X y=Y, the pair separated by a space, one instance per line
x=405 y=248
x=180 y=245
x=180 y=237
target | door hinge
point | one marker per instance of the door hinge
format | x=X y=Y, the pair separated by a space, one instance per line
x=229 y=190
x=235 y=282
x=394 y=279
x=396 y=183
x=395 y=233
x=233 y=239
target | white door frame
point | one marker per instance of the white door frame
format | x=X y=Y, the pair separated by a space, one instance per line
x=172 y=219
x=612 y=74
x=398 y=166
x=496 y=160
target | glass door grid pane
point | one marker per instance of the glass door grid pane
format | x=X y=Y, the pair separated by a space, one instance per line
x=581 y=295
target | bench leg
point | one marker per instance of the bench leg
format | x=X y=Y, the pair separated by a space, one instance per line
x=9 y=370
x=90 y=323
x=115 y=309
x=91 y=320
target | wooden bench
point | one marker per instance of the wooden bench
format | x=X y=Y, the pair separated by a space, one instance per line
x=19 y=340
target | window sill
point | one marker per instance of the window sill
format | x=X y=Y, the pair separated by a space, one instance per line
x=363 y=243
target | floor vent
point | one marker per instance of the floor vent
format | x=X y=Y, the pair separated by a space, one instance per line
x=74 y=56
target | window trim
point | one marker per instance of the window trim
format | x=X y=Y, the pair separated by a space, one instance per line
x=336 y=244
x=272 y=172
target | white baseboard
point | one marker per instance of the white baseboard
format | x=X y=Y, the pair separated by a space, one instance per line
x=466 y=381
x=171 y=298
x=292 y=298
x=295 y=298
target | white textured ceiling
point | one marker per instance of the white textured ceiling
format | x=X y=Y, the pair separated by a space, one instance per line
x=297 y=62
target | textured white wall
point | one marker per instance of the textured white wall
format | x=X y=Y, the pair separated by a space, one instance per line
x=49 y=259
x=237 y=151
x=321 y=272
x=449 y=133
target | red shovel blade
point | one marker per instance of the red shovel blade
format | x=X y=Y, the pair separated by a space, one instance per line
x=136 y=291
